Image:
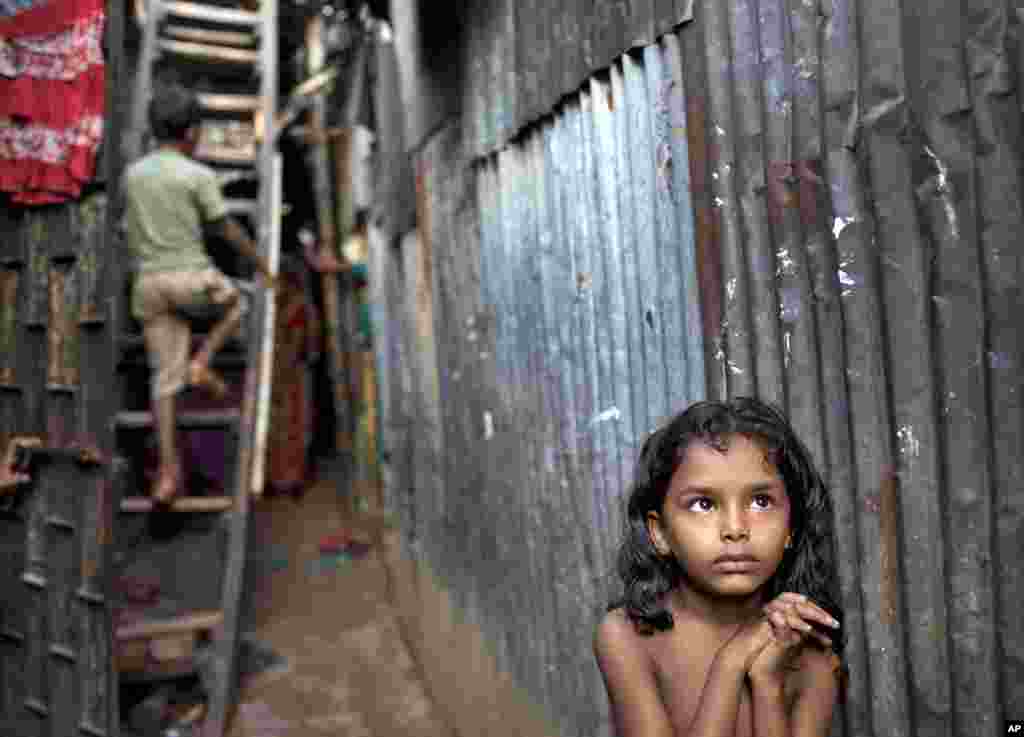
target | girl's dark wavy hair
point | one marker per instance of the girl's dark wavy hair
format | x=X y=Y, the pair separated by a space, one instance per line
x=808 y=566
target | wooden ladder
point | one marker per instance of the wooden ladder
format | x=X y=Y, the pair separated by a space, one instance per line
x=230 y=49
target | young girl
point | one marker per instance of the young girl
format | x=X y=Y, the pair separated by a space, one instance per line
x=729 y=620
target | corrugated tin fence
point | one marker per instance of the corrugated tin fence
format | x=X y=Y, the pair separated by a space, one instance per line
x=858 y=185
x=842 y=180
x=575 y=333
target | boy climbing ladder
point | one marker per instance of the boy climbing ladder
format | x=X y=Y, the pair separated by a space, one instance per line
x=170 y=201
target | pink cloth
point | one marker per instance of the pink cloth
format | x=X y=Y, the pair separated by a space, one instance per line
x=52 y=96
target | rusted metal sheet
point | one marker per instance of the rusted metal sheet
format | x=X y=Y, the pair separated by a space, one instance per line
x=395 y=196
x=536 y=375
x=62 y=330
x=57 y=630
x=12 y=252
x=8 y=324
x=90 y=224
x=835 y=190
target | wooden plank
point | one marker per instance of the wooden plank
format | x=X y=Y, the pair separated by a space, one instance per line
x=219 y=154
x=228 y=103
x=209 y=52
x=211 y=13
x=319 y=160
x=205 y=504
x=136 y=420
x=196 y=621
x=208 y=36
x=248 y=208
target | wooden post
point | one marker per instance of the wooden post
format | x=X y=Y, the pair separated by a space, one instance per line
x=319 y=161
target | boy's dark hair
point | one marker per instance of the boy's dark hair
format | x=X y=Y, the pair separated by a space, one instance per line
x=808 y=566
x=172 y=111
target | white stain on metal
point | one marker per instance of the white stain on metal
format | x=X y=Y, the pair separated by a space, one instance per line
x=944 y=190
x=730 y=288
x=910 y=445
x=488 y=425
x=612 y=413
x=789 y=304
x=786 y=265
x=840 y=224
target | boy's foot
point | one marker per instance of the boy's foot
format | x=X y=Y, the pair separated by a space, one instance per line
x=166 y=487
x=206 y=378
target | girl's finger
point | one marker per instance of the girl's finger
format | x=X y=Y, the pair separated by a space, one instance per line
x=778 y=622
x=808 y=607
x=815 y=612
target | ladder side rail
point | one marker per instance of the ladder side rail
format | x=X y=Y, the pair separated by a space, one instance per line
x=266 y=357
x=226 y=658
x=132 y=145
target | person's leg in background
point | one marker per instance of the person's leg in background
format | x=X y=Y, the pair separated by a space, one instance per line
x=167 y=342
x=222 y=293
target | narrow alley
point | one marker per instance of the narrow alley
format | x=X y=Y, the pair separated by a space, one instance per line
x=344 y=668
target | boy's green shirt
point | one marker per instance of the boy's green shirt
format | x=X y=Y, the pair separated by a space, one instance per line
x=168 y=198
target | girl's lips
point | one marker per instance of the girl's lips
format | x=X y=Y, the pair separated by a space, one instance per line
x=736 y=563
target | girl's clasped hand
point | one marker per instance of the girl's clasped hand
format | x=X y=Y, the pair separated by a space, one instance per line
x=768 y=645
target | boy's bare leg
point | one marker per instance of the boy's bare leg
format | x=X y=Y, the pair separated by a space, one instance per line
x=199 y=369
x=169 y=475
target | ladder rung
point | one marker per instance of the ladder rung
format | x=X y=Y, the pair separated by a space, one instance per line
x=242 y=207
x=207 y=35
x=194 y=622
x=142 y=504
x=190 y=420
x=225 y=154
x=210 y=52
x=226 y=177
x=221 y=103
x=211 y=13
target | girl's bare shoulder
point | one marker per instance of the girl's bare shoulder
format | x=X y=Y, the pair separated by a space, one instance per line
x=619 y=638
x=615 y=631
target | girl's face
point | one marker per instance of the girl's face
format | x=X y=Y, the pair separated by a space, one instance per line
x=725 y=518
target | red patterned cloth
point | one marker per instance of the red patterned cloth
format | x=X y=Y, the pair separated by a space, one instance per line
x=52 y=94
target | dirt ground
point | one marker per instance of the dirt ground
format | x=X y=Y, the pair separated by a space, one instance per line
x=346 y=671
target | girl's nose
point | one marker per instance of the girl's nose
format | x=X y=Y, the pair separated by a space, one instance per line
x=735 y=527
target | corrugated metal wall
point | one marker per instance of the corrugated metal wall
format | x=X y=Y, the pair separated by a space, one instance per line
x=544 y=318
x=849 y=175
x=858 y=169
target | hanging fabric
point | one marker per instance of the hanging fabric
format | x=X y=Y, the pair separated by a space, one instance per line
x=52 y=95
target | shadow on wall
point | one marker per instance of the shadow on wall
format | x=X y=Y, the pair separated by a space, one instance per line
x=463 y=679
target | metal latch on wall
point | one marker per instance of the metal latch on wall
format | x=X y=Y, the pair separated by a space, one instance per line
x=16 y=462
x=16 y=467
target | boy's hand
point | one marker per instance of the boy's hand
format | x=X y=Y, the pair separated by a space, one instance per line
x=791 y=617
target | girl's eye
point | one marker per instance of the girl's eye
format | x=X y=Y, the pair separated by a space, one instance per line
x=701 y=504
x=763 y=501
